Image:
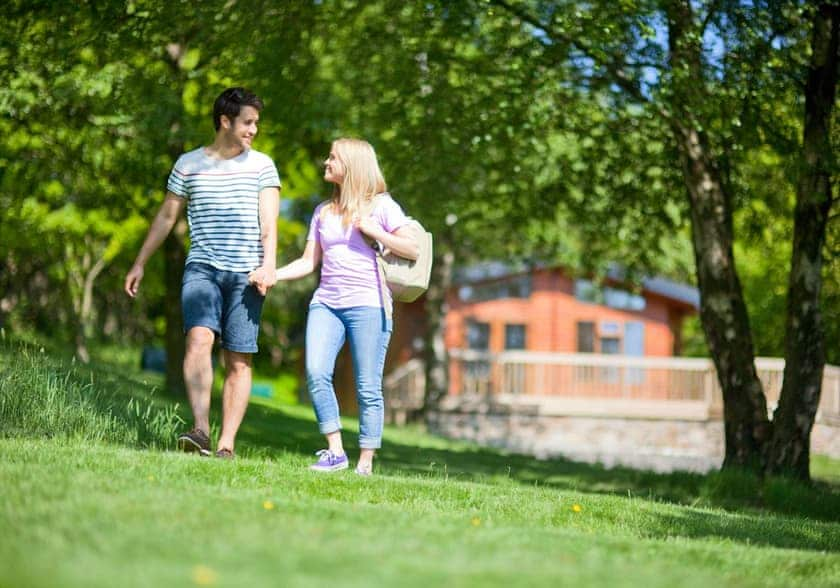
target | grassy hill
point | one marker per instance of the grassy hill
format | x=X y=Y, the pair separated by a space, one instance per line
x=93 y=495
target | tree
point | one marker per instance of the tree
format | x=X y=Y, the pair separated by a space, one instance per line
x=701 y=94
x=97 y=114
x=805 y=343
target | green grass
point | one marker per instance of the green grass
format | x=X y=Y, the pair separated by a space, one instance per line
x=85 y=507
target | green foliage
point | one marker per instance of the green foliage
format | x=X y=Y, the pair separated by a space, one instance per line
x=98 y=108
x=508 y=140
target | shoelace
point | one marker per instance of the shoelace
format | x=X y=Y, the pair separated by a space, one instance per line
x=326 y=453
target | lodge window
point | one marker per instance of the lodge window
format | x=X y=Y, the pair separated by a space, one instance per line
x=478 y=339
x=478 y=335
x=514 y=337
x=634 y=344
x=623 y=300
x=610 y=345
x=516 y=287
x=587 y=291
x=609 y=330
x=586 y=337
x=634 y=338
x=611 y=337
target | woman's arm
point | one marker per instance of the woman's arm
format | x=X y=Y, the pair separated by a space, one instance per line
x=400 y=242
x=302 y=266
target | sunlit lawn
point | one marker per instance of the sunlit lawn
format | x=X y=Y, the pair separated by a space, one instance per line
x=77 y=510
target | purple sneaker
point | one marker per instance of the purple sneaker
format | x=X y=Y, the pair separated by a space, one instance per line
x=329 y=461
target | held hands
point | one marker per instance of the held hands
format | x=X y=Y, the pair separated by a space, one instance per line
x=263 y=278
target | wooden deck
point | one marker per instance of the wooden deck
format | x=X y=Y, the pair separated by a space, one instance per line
x=583 y=384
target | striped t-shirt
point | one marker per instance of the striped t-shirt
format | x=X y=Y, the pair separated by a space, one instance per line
x=223 y=206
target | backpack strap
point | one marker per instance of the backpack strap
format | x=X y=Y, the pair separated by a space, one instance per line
x=377 y=247
x=367 y=211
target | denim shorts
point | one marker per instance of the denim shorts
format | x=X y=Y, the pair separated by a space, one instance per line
x=224 y=302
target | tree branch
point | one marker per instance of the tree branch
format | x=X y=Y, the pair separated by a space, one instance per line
x=614 y=66
x=710 y=15
x=650 y=64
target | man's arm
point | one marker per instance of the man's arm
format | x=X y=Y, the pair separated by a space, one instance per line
x=165 y=219
x=264 y=277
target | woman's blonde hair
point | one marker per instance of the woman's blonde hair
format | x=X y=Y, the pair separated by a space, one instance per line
x=362 y=178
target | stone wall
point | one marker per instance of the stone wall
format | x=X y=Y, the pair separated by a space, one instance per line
x=825 y=439
x=660 y=445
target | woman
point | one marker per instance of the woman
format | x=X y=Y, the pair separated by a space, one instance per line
x=351 y=301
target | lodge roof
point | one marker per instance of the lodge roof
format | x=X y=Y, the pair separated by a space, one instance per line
x=494 y=270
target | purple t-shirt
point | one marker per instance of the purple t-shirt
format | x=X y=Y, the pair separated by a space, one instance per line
x=349 y=276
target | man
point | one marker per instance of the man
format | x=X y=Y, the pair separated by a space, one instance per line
x=232 y=196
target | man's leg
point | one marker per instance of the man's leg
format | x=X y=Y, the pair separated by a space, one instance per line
x=198 y=374
x=241 y=311
x=235 y=394
x=201 y=304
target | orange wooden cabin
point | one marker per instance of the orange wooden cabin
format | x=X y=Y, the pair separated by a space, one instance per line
x=547 y=310
x=496 y=308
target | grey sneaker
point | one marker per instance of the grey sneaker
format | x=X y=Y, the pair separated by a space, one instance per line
x=224 y=454
x=329 y=461
x=195 y=440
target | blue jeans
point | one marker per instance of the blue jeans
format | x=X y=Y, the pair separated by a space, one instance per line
x=369 y=332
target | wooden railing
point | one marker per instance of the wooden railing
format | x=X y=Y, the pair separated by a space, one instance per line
x=404 y=388
x=594 y=384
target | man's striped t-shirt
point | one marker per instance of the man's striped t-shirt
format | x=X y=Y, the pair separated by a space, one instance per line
x=223 y=206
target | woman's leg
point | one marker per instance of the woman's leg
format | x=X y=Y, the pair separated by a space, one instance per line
x=369 y=332
x=324 y=338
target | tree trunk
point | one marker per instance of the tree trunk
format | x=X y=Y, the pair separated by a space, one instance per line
x=8 y=298
x=84 y=319
x=804 y=344
x=723 y=312
x=174 y=256
x=174 y=250
x=436 y=360
x=87 y=293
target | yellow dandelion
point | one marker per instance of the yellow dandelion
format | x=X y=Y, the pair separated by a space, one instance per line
x=204 y=576
x=476 y=521
x=577 y=507
x=268 y=505
x=151 y=478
